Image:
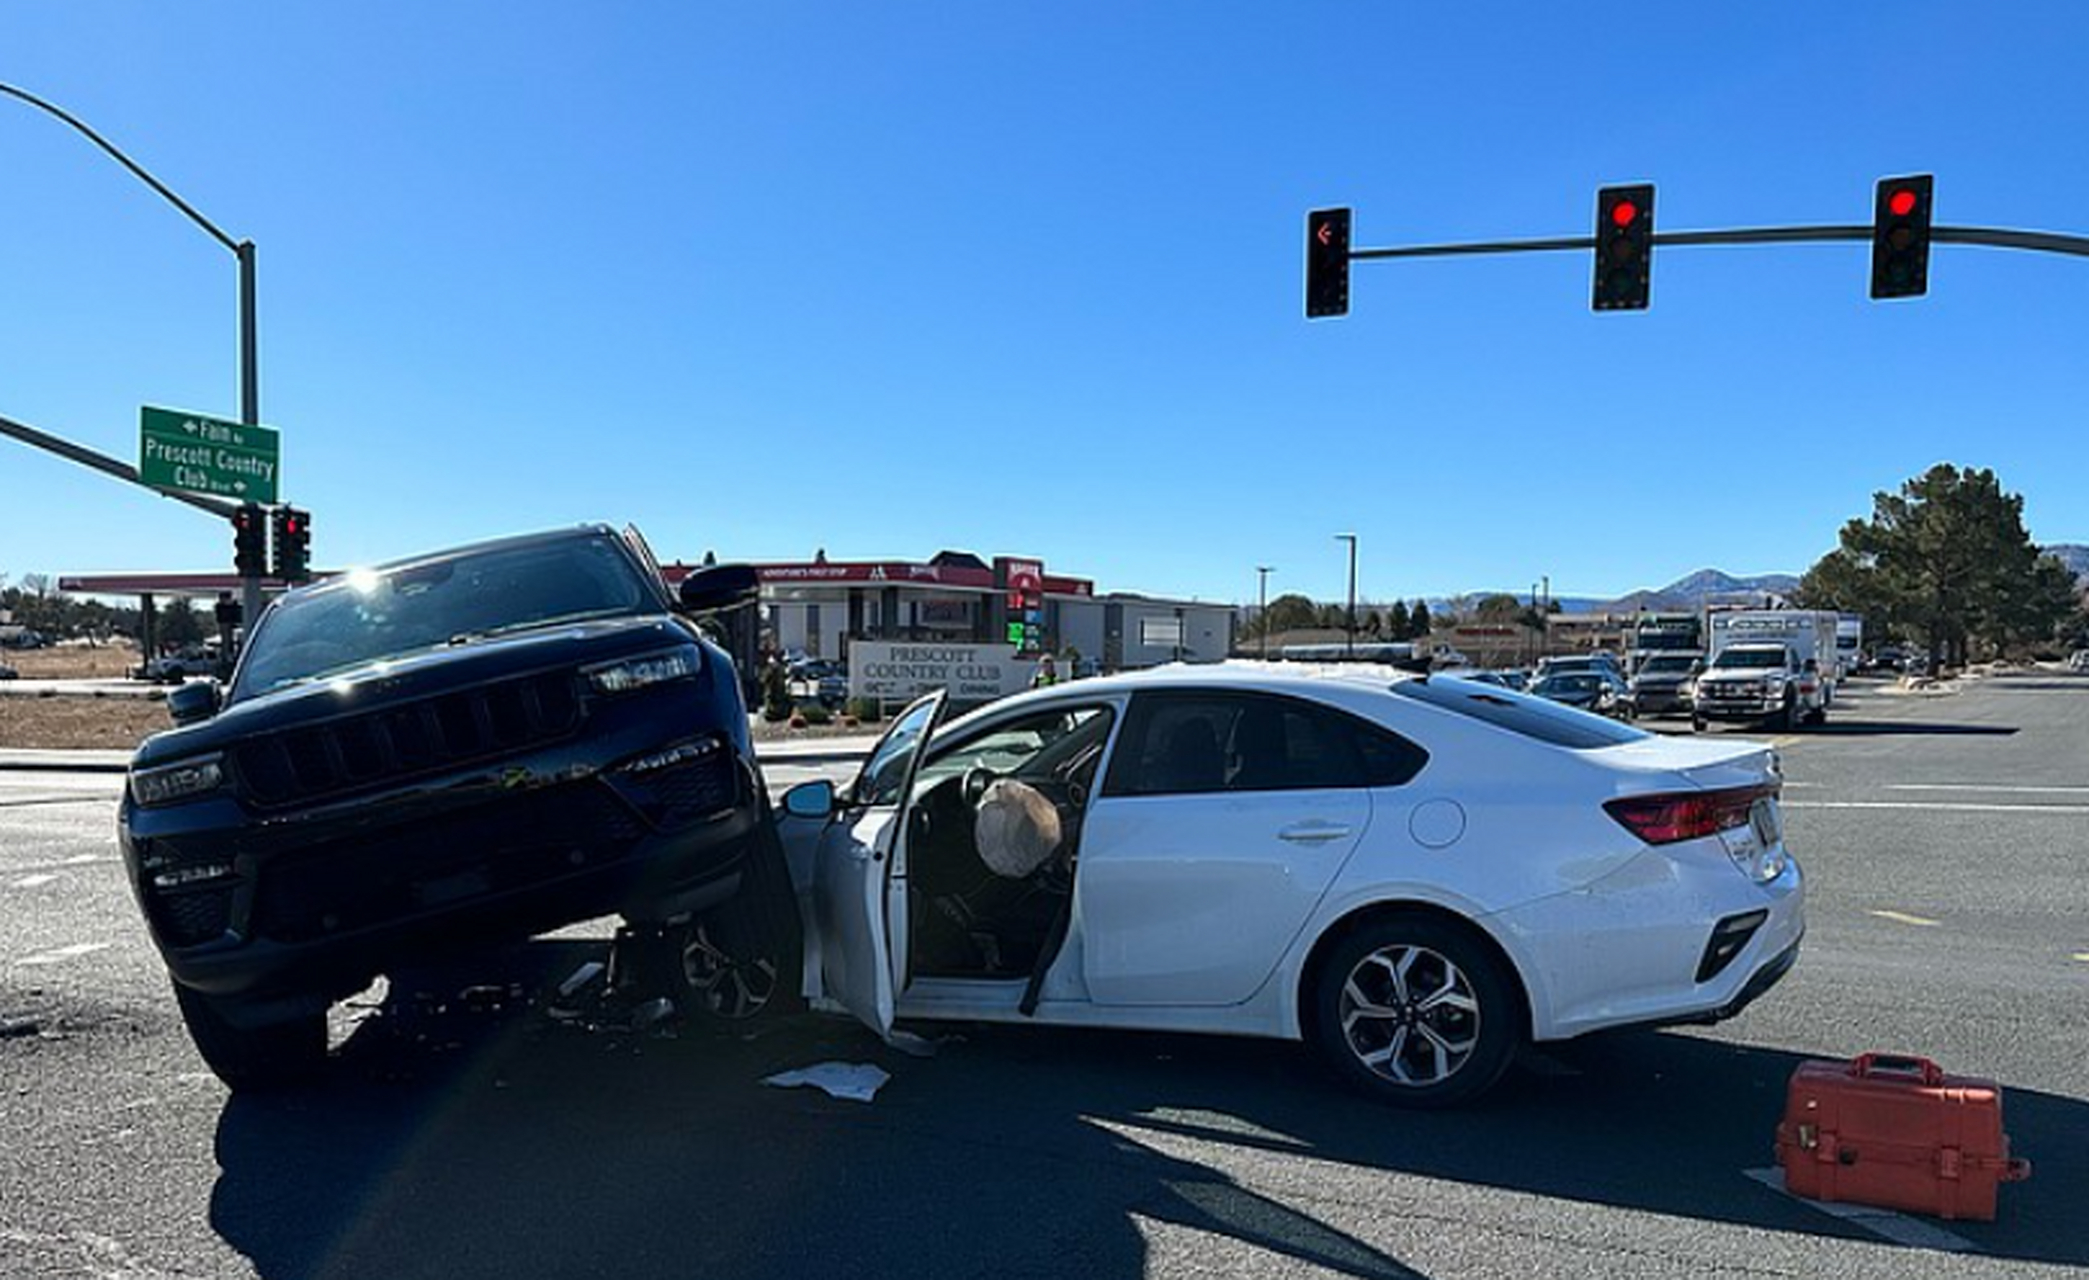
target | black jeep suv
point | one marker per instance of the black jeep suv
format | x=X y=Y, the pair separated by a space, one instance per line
x=466 y=747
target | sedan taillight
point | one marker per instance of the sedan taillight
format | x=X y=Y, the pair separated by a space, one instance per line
x=1670 y=816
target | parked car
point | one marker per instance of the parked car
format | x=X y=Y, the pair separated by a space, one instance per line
x=1664 y=682
x=822 y=680
x=1600 y=690
x=1418 y=875
x=2078 y=660
x=173 y=668
x=1564 y=664
x=466 y=747
x=8 y=673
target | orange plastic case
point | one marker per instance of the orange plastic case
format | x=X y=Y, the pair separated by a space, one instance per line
x=1896 y=1133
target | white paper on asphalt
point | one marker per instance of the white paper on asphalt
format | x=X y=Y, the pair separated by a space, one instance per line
x=849 y=1081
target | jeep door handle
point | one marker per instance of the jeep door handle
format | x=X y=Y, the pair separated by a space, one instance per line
x=1313 y=832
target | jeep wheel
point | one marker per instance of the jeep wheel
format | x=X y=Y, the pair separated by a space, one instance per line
x=742 y=960
x=254 y=1059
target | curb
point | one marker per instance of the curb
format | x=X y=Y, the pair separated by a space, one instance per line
x=61 y=762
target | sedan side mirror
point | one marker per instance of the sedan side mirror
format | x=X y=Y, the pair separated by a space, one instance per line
x=193 y=702
x=720 y=586
x=813 y=799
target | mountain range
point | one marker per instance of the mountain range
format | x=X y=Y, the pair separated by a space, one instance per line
x=1691 y=592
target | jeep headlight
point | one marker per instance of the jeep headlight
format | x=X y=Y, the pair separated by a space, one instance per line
x=168 y=783
x=629 y=674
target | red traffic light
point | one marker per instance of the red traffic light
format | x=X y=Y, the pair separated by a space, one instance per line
x=1623 y=212
x=1901 y=202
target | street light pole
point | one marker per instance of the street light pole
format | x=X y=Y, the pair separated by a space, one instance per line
x=1262 y=572
x=1349 y=645
x=249 y=353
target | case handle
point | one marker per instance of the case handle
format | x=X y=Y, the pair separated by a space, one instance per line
x=1871 y=1064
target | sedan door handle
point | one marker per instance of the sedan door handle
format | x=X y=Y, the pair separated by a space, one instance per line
x=1313 y=832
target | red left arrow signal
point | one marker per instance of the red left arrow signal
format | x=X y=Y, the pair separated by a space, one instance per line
x=1326 y=234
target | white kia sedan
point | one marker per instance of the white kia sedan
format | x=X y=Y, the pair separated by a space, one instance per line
x=1417 y=873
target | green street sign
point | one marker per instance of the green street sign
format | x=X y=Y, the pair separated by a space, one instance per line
x=206 y=455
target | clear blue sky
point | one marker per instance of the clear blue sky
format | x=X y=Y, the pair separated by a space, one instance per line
x=1027 y=278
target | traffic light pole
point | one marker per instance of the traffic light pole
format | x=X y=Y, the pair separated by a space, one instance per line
x=249 y=359
x=1993 y=237
x=249 y=405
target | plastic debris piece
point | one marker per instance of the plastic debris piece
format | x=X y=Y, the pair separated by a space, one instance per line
x=581 y=977
x=849 y=1081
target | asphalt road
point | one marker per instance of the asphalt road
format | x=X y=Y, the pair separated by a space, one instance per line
x=467 y=1131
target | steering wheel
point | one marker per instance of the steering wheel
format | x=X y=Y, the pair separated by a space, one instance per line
x=976 y=780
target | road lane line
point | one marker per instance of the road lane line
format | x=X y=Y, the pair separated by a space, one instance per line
x=1899 y=1228
x=1902 y=917
x=1986 y=786
x=1936 y=806
x=2082 y=956
x=60 y=954
x=32 y=882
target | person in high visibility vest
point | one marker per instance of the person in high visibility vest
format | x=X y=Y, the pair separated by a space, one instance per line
x=1046 y=675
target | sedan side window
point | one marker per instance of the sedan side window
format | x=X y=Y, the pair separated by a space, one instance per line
x=1186 y=744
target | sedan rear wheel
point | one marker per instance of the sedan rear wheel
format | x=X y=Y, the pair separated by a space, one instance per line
x=1417 y=1013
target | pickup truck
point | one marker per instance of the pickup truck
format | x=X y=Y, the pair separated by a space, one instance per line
x=1760 y=680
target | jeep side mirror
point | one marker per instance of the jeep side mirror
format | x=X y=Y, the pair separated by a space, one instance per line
x=719 y=586
x=194 y=701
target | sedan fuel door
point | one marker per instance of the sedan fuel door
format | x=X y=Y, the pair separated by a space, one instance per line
x=859 y=876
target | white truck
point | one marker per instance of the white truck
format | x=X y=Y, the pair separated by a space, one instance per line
x=1849 y=643
x=1778 y=665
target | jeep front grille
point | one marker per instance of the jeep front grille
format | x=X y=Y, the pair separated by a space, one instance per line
x=381 y=747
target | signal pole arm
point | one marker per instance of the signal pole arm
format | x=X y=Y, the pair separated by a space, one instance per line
x=108 y=466
x=1993 y=237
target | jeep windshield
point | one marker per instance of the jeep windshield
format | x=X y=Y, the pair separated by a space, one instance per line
x=368 y=615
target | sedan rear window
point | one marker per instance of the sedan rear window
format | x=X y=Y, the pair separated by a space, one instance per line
x=1538 y=718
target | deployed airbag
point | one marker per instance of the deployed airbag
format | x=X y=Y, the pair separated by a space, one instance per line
x=1017 y=828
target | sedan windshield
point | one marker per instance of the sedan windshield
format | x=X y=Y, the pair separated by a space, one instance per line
x=369 y=615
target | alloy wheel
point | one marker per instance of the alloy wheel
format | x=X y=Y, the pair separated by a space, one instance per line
x=1410 y=1015
x=730 y=987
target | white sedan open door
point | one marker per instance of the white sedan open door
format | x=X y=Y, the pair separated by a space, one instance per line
x=859 y=873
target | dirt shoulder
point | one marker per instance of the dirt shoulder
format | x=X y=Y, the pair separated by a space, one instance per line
x=71 y=723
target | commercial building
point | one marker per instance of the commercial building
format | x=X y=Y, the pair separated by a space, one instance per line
x=818 y=607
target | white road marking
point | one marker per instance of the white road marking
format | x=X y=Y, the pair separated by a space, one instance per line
x=1902 y=917
x=32 y=882
x=1985 y=786
x=1897 y=1227
x=2082 y=956
x=1937 y=806
x=60 y=954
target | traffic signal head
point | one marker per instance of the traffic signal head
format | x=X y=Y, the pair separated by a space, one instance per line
x=293 y=544
x=1624 y=247
x=1327 y=263
x=249 y=542
x=1900 y=237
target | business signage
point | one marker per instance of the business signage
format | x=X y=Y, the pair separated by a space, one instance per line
x=901 y=672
